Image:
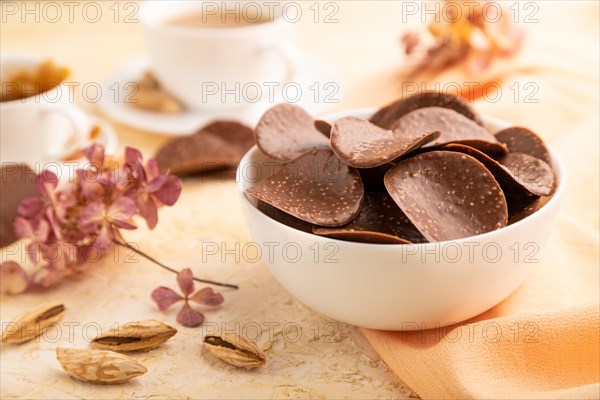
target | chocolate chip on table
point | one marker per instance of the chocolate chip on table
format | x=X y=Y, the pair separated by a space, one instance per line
x=361 y=144
x=517 y=173
x=195 y=154
x=240 y=136
x=286 y=131
x=388 y=115
x=453 y=128
x=380 y=221
x=523 y=140
x=315 y=187
x=219 y=145
x=447 y=195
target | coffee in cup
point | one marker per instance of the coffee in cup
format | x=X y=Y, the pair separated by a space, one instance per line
x=38 y=121
x=217 y=19
x=210 y=55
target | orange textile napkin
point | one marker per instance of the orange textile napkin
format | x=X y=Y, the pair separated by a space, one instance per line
x=543 y=341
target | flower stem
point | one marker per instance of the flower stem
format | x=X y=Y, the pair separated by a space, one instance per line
x=155 y=261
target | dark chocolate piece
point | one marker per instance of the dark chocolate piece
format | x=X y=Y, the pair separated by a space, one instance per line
x=453 y=128
x=315 y=187
x=520 y=207
x=284 y=218
x=380 y=221
x=372 y=178
x=323 y=126
x=522 y=140
x=286 y=131
x=219 y=145
x=447 y=195
x=361 y=144
x=388 y=115
x=517 y=173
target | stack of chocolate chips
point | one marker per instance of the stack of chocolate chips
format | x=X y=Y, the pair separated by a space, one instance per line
x=423 y=169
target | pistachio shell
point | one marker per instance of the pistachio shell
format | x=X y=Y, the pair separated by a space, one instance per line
x=99 y=366
x=31 y=324
x=135 y=336
x=235 y=350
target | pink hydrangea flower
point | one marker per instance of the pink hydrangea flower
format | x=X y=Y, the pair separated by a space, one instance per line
x=69 y=221
x=165 y=297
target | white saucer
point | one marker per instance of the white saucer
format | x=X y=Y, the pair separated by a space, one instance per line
x=309 y=71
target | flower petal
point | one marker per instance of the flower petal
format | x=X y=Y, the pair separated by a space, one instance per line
x=13 y=278
x=185 y=279
x=64 y=199
x=165 y=297
x=132 y=155
x=90 y=184
x=91 y=217
x=23 y=228
x=137 y=173
x=104 y=238
x=30 y=207
x=121 y=210
x=189 y=317
x=156 y=183
x=124 y=225
x=207 y=297
x=54 y=223
x=133 y=169
x=95 y=155
x=169 y=191
x=42 y=231
x=152 y=168
x=46 y=182
x=148 y=210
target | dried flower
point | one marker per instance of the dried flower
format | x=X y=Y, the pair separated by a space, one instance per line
x=464 y=33
x=70 y=221
x=165 y=297
x=105 y=220
x=149 y=189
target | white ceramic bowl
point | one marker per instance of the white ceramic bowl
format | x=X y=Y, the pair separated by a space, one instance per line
x=398 y=287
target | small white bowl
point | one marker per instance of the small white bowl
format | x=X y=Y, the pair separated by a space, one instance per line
x=398 y=287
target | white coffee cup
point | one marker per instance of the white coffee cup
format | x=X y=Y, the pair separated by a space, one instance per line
x=216 y=68
x=40 y=128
